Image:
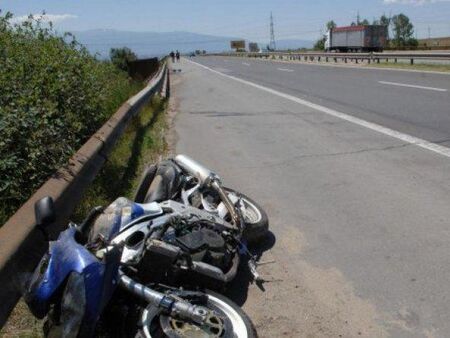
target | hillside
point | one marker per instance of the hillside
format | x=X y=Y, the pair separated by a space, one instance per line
x=147 y=44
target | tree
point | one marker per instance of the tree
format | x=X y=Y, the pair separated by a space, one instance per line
x=365 y=22
x=320 y=44
x=330 y=25
x=385 y=21
x=412 y=42
x=403 y=30
x=120 y=57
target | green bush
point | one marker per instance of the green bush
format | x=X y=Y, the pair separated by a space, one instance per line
x=53 y=96
x=120 y=57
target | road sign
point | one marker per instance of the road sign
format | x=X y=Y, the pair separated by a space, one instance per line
x=238 y=44
x=253 y=47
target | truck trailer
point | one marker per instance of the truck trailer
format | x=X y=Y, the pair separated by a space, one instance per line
x=367 y=38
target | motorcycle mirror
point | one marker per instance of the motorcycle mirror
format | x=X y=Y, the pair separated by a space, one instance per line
x=44 y=211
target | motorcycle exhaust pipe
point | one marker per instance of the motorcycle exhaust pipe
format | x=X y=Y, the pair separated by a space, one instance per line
x=203 y=174
x=214 y=272
x=208 y=178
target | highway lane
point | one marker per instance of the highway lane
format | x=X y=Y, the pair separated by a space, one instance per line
x=413 y=103
x=361 y=220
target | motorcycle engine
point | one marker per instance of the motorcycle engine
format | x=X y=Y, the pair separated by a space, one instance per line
x=204 y=245
x=200 y=241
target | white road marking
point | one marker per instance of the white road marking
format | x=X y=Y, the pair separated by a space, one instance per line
x=245 y=64
x=441 y=150
x=412 y=86
x=285 y=70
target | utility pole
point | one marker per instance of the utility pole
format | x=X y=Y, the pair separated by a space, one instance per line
x=358 y=19
x=429 y=32
x=272 y=44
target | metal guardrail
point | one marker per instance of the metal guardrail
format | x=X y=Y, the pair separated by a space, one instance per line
x=22 y=243
x=345 y=57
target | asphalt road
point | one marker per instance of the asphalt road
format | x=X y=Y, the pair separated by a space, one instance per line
x=361 y=219
x=374 y=95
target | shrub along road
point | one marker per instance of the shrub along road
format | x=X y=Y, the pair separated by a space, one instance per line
x=54 y=96
x=360 y=219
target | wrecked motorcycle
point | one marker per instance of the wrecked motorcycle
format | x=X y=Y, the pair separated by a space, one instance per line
x=184 y=180
x=89 y=274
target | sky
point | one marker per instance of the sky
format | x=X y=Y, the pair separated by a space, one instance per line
x=293 y=19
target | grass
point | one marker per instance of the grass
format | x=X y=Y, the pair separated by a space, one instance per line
x=142 y=142
x=417 y=66
x=22 y=324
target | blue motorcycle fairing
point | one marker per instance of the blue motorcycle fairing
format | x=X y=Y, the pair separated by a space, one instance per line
x=65 y=256
x=118 y=215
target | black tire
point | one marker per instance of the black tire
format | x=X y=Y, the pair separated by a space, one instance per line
x=146 y=179
x=214 y=300
x=254 y=232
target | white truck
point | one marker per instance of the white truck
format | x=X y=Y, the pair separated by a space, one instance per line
x=363 y=38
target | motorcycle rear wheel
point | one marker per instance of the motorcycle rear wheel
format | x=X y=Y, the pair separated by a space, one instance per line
x=255 y=219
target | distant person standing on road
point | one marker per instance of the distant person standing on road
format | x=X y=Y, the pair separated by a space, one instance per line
x=172 y=55
x=178 y=56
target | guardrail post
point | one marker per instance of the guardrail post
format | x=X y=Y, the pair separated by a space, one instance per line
x=368 y=61
x=345 y=60
x=335 y=59
x=326 y=59
x=412 y=61
x=318 y=59
x=378 y=60
x=356 y=60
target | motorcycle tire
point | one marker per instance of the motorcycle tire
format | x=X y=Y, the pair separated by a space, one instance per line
x=237 y=324
x=255 y=219
x=146 y=179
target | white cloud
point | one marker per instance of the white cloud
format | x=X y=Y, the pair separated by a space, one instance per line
x=413 y=2
x=55 y=18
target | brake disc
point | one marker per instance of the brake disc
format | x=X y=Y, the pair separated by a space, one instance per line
x=214 y=326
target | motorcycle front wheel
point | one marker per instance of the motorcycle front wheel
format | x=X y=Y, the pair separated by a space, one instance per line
x=228 y=321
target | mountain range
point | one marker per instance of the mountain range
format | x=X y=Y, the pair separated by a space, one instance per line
x=149 y=44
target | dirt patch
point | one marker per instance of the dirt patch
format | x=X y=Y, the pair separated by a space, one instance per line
x=302 y=300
